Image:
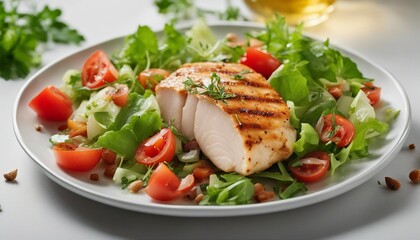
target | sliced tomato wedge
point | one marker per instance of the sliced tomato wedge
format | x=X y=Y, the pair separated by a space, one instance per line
x=335 y=128
x=71 y=157
x=120 y=95
x=311 y=168
x=262 y=62
x=158 y=148
x=164 y=185
x=372 y=92
x=52 y=104
x=151 y=77
x=98 y=70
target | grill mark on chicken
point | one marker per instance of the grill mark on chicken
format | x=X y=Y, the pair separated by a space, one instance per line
x=244 y=126
x=244 y=97
x=246 y=82
x=256 y=112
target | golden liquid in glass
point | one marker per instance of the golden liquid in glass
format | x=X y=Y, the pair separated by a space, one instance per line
x=310 y=12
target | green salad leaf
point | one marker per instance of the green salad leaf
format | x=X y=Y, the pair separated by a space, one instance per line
x=143 y=50
x=229 y=189
x=137 y=121
x=308 y=140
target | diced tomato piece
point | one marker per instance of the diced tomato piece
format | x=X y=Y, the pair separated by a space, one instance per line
x=151 y=77
x=163 y=184
x=120 y=95
x=372 y=92
x=74 y=158
x=202 y=173
x=52 y=104
x=336 y=91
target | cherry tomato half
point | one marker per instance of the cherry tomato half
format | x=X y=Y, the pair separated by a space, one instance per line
x=372 y=92
x=151 y=77
x=311 y=168
x=262 y=62
x=98 y=70
x=52 y=104
x=158 y=148
x=164 y=185
x=80 y=159
x=335 y=128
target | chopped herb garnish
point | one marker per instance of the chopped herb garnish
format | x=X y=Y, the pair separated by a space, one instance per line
x=240 y=76
x=214 y=89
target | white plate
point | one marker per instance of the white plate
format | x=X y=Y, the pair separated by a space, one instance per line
x=37 y=146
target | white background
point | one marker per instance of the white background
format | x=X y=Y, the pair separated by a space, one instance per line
x=386 y=31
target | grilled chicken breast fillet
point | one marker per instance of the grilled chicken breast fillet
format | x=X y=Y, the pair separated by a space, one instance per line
x=246 y=133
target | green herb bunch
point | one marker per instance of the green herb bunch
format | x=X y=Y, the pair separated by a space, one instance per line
x=186 y=9
x=21 y=35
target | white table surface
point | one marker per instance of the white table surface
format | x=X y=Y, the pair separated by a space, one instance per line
x=386 y=31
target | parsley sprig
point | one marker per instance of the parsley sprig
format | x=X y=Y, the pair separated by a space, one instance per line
x=20 y=36
x=186 y=9
x=214 y=89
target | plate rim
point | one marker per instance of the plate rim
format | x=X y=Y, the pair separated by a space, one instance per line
x=218 y=211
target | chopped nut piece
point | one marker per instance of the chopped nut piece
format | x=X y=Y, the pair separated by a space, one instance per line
x=265 y=196
x=412 y=146
x=136 y=186
x=109 y=156
x=198 y=199
x=38 y=127
x=231 y=37
x=392 y=184
x=94 y=177
x=258 y=188
x=110 y=170
x=192 y=194
x=255 y=43
x=10 y=176
x=415 y=176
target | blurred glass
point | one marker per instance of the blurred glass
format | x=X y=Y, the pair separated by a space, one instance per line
x=310 y=12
